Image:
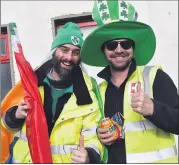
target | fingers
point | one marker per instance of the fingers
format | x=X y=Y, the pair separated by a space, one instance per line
x=104 y=133
x=102 y=130
x=141 y=102
x=77 y=153
x=22 y=105
x=76 y=159
x=23 y=113
x=22 y=110
x=137 y=104
x=108 y=141
x=139 y=87
x=81 y=143
x=80 y=157
x=22 y=102
x=137 y=98
x=134 y=105
x=105 y=136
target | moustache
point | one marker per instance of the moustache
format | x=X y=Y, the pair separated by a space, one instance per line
x=56 y=62
x=117 y=55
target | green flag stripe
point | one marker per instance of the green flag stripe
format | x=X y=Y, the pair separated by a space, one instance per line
x=11 y=27
x=14 y=37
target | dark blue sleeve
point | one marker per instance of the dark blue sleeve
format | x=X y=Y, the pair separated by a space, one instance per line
x=11 y=121
x=94 y=157
x=166 y=105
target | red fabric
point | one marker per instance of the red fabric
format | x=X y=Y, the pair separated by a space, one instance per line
x=36 y=125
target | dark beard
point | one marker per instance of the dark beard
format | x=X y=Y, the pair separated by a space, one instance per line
x=62 y=72
x=120 y=68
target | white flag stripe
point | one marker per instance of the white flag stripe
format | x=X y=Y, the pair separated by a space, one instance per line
x=15 y=40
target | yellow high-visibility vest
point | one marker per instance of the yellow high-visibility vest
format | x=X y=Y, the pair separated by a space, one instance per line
x=145 y=143
x=73 y=121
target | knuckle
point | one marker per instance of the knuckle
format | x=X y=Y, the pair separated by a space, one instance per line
x=140 y=104
x=102 y=141
x=139 y=109
x=132 y=105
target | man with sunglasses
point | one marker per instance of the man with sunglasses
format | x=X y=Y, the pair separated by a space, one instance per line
x=145 y=98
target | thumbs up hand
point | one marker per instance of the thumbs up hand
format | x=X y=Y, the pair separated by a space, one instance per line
x=141 y=102
x=81 y=155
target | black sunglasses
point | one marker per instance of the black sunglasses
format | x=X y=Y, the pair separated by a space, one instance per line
x=126 y=44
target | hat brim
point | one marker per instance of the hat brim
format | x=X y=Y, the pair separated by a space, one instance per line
x=142 y=34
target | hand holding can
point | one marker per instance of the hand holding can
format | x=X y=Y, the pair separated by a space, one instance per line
x=108 y=123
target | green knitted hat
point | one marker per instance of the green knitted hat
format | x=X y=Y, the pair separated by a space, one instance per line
x=117 y=19
x=69 y=33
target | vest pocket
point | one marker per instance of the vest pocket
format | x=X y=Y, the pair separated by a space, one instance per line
x=67 y=133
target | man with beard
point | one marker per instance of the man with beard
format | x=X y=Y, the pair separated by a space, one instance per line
x=144 y=100
x=70 y=106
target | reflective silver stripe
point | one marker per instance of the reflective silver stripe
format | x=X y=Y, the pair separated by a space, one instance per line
x=22 y=136
x=149 y=157
x=139 y=126
x=89 y=131
x=14 y=161
x=146 y=72
x=94 y=147
x=63 y=149
x=67 y=149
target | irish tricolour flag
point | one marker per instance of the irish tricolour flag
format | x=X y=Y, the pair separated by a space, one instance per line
x=36 y=125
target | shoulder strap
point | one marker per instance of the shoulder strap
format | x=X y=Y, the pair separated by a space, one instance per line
x=146 y=72
x=100 y=102
x=147 y=78
x=98 y=95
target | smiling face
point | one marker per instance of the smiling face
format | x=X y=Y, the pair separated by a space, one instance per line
x=119 y=58
x=66 y=57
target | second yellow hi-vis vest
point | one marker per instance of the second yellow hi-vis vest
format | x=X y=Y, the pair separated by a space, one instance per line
x=73 y=121
x=145 y=143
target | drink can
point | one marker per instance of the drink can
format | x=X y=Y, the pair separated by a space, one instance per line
x=108 y=123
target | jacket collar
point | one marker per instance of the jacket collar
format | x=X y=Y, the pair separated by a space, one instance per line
x=79 y=85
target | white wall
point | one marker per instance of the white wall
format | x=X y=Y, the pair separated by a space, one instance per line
x=33 y=20
x=163 y=17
